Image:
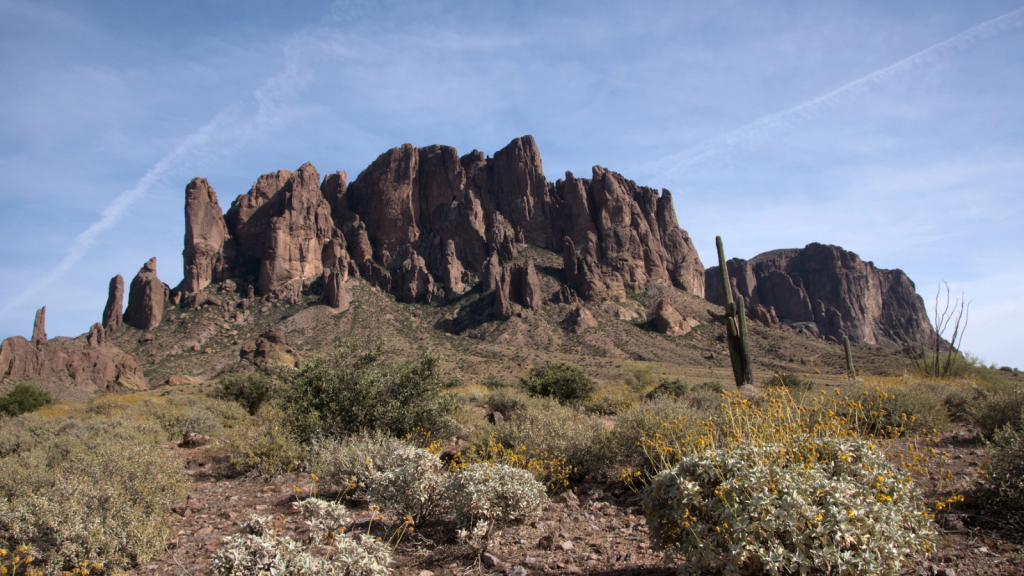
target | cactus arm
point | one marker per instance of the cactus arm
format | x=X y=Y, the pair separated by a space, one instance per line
x=748 y=373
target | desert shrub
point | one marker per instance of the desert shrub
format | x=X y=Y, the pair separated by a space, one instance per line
x=30 y=430
x=1005 y=469
x=266 y=446
x=79 y=491
x=347 y=465
x=343 y=394
x=495 y=382
x=610 y=401
x=639 y=377
x=788 y=380
x=416 y=488
x=653 y=435
x=581 y=440
x=1000 y=409
x=325 y=519
x=259 y=550
x=248 y=390
x=963 y=403
x=904 y=410
x=24 y=398
x=817 y=505
x=176 y=415
x=674 y=388
x=507 y=400
x=486 y=497
x=562 y=381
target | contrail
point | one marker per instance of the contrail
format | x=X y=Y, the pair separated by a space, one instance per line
x=765 y=125
x=275 y=88
x=116 y=209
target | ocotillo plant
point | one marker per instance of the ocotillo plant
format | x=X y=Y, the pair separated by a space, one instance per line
x=735 y=322
x=850 y=372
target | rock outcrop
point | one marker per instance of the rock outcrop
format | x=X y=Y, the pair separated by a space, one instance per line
x=112 y=318
x=417 y=219
x=765 y=316
x=146 y=297
x=205 y=236
x=71 y=368
x=452 y=273
x=669 y=321
x=334 y=287
x=580 y=320
x=829 y=291
x=39 y=327
x=268 y=350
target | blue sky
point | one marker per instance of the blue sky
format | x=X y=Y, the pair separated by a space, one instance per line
x=893 y=129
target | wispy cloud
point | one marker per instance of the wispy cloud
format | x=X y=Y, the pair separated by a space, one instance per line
x=760 y=129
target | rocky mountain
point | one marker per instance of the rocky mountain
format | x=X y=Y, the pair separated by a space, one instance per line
x=827 y=292
x=424 y=223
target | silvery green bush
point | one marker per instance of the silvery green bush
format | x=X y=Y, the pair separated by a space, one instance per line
x=494 y=495
x=829 y=507
x=259 y=551
x=348 y=464
x=415 y=488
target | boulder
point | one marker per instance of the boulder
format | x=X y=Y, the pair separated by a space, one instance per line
x=268 y=350
x=767 y=317
x=824 y=290
x=667 y=320
x=146 y=298
x=112 y=319
x=579 y=320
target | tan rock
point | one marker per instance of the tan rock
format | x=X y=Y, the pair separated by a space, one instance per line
x=580 y=320
x=669 y=321
x=178 y=380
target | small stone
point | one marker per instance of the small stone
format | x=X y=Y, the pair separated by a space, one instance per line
x=565 y=545
x=569 y=499
x=425 y=573
x=489 y=560
x=516 y=570
x=546 y=542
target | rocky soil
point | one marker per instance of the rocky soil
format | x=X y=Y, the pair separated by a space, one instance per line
x=597 y=528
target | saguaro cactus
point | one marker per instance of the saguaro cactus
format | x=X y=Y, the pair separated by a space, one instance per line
x=735 y=322
x=850 y=372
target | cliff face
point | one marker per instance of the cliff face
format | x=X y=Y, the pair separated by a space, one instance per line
x=419 y=213
x=832 y=290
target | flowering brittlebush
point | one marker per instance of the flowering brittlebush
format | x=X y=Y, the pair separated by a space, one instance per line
x=811 y=505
